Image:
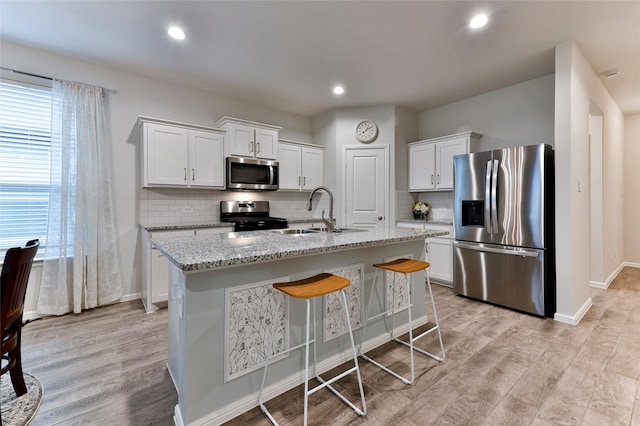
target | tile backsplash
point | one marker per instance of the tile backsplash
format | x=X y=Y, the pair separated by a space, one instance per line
x=441 y=204
x=159 y=206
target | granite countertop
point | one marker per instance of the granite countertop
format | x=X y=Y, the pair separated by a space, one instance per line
x=182 y=225
x=203 y=252
x=427 y=222
x=200 y=225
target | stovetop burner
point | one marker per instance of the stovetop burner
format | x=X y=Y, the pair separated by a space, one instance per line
x=250 y=216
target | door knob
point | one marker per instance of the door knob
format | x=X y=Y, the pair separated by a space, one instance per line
x=380 y=217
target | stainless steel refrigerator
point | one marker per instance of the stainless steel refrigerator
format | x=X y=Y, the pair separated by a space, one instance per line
x=504 y=228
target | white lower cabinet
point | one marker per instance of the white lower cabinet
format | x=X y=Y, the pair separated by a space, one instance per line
x=440 y=256
x=438 y=252
x=155 y=266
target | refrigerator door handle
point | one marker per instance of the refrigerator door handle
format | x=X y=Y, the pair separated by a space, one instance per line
x=514 y=252
x=487 y=197
x=494 y=197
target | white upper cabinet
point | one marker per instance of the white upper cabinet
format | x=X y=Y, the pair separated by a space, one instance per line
x=422 y=167
x=301 y=165
x=181 y=155
x=250 y=139
x=431 y=160
x=165 y=157
x=203 y=147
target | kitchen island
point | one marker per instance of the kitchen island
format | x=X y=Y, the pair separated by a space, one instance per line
x=221 y=305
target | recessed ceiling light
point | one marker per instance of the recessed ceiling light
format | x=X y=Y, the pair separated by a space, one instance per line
x=478 y=21
x=176 y=33
x=338 y=90
x=611 y=73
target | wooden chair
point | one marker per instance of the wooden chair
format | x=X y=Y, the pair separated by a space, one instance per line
x=15 y=275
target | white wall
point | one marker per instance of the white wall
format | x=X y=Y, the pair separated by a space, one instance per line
x=336 y=129
x=138 y=95
x=577 y=87
x=521 y=114
x=406 y=131
x=632 y=189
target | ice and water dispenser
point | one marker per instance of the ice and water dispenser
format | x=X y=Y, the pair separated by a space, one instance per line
x=473 y=213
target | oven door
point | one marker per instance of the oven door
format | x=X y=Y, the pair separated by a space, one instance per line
x=251 y=174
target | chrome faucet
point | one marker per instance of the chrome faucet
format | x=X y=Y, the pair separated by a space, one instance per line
x=327 y=222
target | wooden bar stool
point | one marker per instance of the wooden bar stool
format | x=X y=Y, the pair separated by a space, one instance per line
x=308 y=288
x=406 y=267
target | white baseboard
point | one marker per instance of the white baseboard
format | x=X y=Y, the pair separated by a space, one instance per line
x=177 y=416
x=130 y=297
x=605 y=285
x=33 y=314
x=574 y=319
x=247 y=403
x=597 y=284
x=30 y=315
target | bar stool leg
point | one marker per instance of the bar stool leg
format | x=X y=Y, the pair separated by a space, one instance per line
x=355 y=358
x=306 y=361
x=435 y=319
x=412 y=339
x=323 y=383
x=436 y=328
x=366 y=315
x=263 y=408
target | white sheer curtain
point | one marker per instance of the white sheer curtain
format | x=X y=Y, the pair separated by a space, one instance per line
x=81 y=259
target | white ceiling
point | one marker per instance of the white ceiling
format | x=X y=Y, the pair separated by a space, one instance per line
x=288 y=55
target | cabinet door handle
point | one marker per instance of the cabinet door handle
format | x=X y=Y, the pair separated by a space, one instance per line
x=304 y=180
x=438 y=179
x=250 y=146
x=193 y=175
x=257 y=147
x=185 y=174
x=431 y=179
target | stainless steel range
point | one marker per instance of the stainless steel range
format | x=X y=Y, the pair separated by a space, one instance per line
x=250 y=216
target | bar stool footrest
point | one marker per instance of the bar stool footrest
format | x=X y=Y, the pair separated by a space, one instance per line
x=422 y=351
x=393 y=373
x=327 y=384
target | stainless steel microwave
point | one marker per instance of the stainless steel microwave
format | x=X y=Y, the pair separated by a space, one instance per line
x=252 y=174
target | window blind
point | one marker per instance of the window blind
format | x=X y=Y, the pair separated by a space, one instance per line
x=25 y=146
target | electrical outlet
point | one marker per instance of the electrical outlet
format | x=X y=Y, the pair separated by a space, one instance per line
x=187 y=209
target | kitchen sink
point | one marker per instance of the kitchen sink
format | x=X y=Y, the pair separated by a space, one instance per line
x=338 y=230
x=290 y=231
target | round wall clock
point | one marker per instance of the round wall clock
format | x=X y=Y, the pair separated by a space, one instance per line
x=367 y=131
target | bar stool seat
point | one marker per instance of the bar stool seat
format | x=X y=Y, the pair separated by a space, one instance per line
x=307 y=289
x=406 y=267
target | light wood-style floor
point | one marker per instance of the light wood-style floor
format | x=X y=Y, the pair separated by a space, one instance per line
x=107 y=367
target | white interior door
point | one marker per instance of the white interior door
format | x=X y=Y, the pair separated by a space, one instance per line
x=367 y=186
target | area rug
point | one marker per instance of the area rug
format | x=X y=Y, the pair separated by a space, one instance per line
x=20 y=411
